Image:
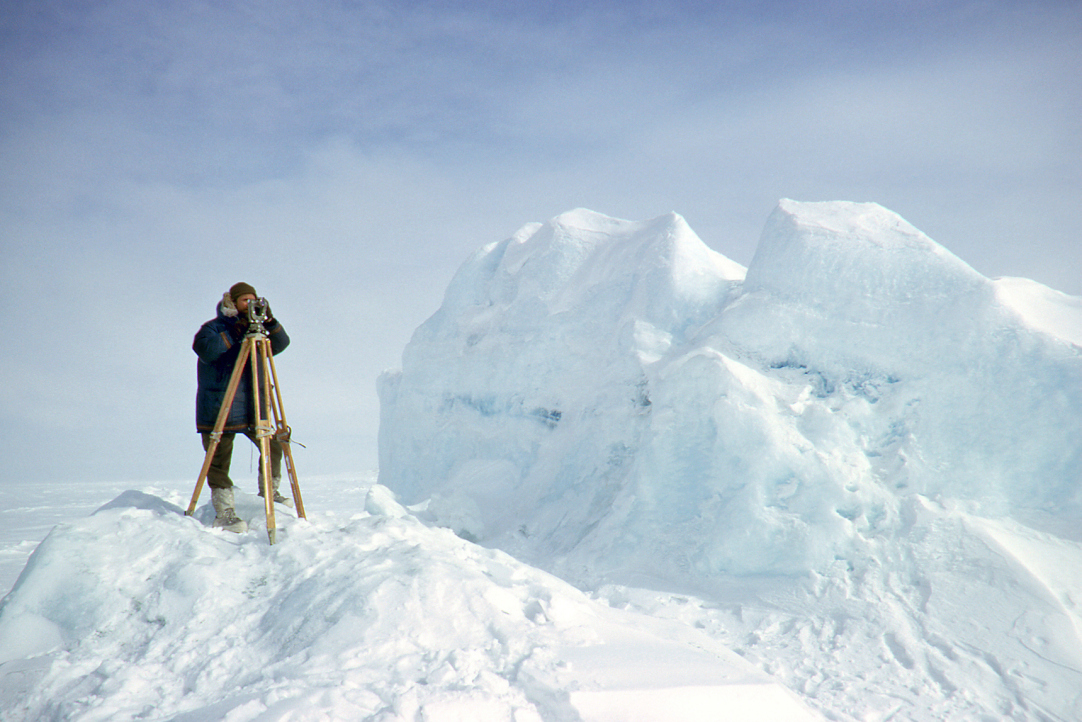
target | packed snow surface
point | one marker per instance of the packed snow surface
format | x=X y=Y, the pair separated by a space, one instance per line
x=139 y=612
x=623 y=478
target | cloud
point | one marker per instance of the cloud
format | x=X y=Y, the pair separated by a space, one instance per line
x=346 y=157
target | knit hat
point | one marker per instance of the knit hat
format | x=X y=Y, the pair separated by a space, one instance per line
x=239 y=289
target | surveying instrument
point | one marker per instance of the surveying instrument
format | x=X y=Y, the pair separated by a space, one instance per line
x=256 y=350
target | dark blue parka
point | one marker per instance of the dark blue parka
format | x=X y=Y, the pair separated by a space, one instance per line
x=218 y=344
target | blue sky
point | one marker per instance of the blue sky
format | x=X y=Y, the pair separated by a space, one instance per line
x=345 y=157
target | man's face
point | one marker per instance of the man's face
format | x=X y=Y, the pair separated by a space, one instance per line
x=242 y=302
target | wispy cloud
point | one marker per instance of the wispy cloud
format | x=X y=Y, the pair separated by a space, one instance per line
x=346 y=156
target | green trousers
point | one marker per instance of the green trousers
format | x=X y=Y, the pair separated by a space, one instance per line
x=218 y=474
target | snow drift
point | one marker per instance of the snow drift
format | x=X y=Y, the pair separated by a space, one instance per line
x=139 y=612
x=614 y=399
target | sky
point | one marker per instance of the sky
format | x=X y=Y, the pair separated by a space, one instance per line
x=345 y=157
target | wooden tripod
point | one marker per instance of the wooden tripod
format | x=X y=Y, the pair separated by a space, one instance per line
x=256 y=349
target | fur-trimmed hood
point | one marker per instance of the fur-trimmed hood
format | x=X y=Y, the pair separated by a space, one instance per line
x=226 y=307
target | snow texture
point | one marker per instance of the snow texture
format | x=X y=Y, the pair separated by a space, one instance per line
x=621 y=478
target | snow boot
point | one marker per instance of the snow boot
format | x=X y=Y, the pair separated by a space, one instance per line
x=276 y=481
x=226 y=516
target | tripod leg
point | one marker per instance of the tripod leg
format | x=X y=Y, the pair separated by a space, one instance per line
x=282 y=434
x=219 y=423
x=262 y=428
x=268 y=487
x=287 y=454
x=215 y=438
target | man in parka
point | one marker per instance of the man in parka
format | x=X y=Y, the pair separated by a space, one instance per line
x=217 y=344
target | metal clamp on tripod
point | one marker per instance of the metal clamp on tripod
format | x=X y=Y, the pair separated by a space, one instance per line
x=270 y=420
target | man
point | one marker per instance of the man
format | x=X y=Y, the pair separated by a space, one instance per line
x=218 y=344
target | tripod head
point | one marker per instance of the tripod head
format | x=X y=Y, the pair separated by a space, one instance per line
x=258 y=313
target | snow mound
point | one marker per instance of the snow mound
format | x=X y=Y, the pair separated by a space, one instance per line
x=854 y=280
x=1042 y=308
x=613 y=400
x=139 y=612
x=857 y=453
